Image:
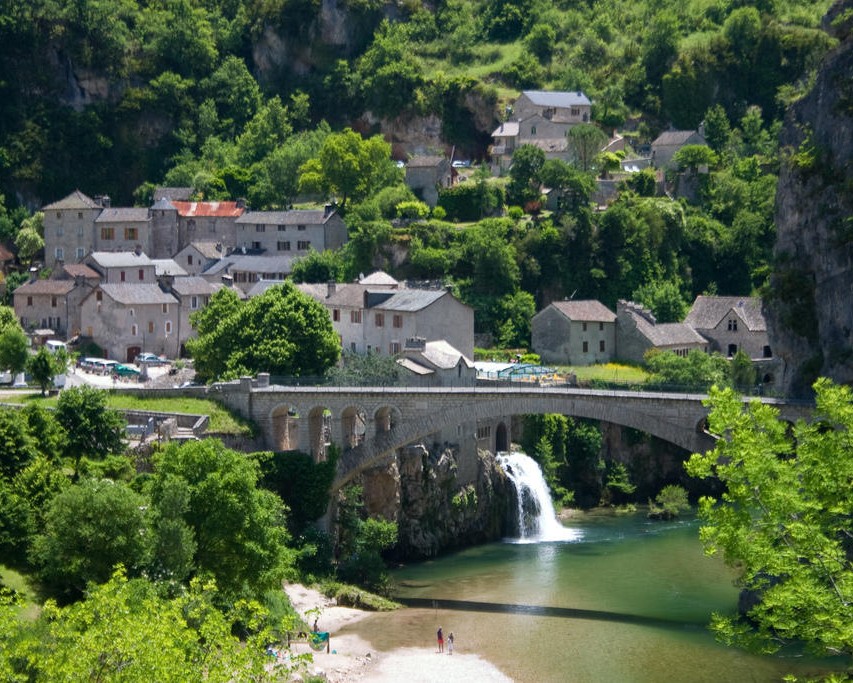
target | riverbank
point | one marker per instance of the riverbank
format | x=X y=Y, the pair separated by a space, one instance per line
x=353 y=657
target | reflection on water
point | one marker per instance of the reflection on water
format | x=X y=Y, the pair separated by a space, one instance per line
x=627 y=602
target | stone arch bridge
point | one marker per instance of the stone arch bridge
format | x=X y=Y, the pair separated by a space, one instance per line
x=371 y=423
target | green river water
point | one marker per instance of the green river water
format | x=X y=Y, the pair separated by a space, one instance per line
x=628 y=600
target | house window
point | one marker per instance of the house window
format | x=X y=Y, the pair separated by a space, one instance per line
x=141 y=274
x=575 y=111
x=601 y=327
x=165 y=308
x=732 y=350
x=733 y=325
x=586 y=347
x=59 y=231
x=533 y=130
x=131 y=233
x=108 y=233
x=193 y=302
x=29 y=301
x=336 y=315
x=303 y=245
x=398 y=321
x=59 y=254
x=284 y=246
x=379 y=320
x=89 y=331
x=53 y=302
x=352 y=346
x=168 y=327
x=121 y=276
x=189 y=259
x=150 y=327
x=282 y=228
x=394 y=348
x=133 y=330
x=584 y=327
x=355 y=316
x=300 y=227
x=260 y=227
x=256 y=245
x=131 y=312
x=81 y=252
x=99 y=295
x=58 y=214
x=767 y=352
x=601 y=345
x=79 y=231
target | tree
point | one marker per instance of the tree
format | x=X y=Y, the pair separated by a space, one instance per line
x=576 y=186
x=238 y=529
x=282 y=331
x=691 y=157
x=585 y=143
x=17 y=445
x=92 y=429
x=319 y=266
x=784 y=519
x=13 y=349
x=695 y=371
x=89 y=529
x=718 y=130
x=44 y=366
x=527 y=162
x=664 y=299
x=30 y=237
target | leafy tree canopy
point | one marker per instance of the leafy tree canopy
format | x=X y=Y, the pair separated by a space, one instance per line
x=784 y=519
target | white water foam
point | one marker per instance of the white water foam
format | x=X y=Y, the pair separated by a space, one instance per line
x=537 y=520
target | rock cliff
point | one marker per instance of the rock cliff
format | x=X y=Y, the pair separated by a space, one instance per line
x=435 y=511
x=808 y=311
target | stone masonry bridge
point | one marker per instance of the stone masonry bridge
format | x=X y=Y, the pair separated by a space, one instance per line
x=370 y=423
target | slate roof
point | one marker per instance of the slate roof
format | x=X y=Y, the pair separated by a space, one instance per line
x=120 y=259
x=208 y=249
x=76 y=200
x=675 y=138
x=315 y=290
x=443 y=355
x=81 y=270
x=208 y=209
x=167 y=266
x=413 y=366
x=181 y=194
x=163 y=204
x=53 y=287
x=262 y=286
x=585 y=310
x=425 y=161
x=408 y=300
x=708 y=311
x=548 y=98
x=124 y=293
x=293 y=217
x=262 y=264
x=669 y=334
x=123 y=215
x=192 y=284
x=507 y=129
x=378 y=277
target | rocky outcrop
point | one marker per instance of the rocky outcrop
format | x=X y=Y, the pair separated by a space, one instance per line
x=808 y=311
x=434 y=511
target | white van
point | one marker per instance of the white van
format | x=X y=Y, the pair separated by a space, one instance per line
x=53 y=345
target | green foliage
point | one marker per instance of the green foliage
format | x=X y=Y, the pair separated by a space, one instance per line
x=361 y=541
x=669 y=503
x=585 y=143
x=319 y=266
x=91 y=429
x=364 y=369
x=783 y=520
x=691 y=157
x=44 y=366
x=210 y=494
x=617 y=484
x=13 y=348
x=89 y=528
x=282 y=331
x=664 y=299
x=470 y=201
x=744 y=375
x=527 y=162
x=697 y=371
x=301 y=483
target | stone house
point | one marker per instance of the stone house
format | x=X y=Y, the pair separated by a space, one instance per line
x=558 y=106
x=668 y=143
x=69 y=232
x=123 y=229
x=192 y=294
x=47 y=305
x=197 y=257
x=574 y=333
x=426 y=175
x=731 y=324
x=637 y=331
x=207 y=222
x=127 y=319
x=122 y=267
x=247 y=270
x=282 y=233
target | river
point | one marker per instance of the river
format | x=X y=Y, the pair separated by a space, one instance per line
x=624 y=600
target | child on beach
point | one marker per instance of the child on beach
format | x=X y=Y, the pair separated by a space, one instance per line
x=440 y=636
x=450 y=643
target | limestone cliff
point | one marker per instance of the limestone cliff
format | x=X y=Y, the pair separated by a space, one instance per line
x=436 y=512
x=808 y=310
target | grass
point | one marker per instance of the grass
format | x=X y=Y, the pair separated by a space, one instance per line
x=222 y=421
x=608 y=372
x=18 y=583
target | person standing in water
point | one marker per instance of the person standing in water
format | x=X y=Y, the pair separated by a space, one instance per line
x=440 y=636
x=450 y=643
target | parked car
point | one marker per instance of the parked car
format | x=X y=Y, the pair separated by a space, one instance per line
x=104 y=367
x=125 y=370
x=150 y=359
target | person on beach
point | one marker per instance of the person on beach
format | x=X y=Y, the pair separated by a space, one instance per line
x=440 y=637
x=450 y=643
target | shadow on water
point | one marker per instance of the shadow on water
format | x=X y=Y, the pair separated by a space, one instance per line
x=544 y=611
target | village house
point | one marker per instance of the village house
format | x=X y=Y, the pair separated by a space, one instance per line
x=731 y=324
x=574 y=333
x=435 y=364
x=69 y=232
x=244 y=271
x=637 y=331
x=297 y=231
x=122 y=267
x=207 y=221
x=669 y=142
x=427 y=175
x=46 y=305
x=126 y=319
x=197 y=257
x=192 y=293
x=123 y=229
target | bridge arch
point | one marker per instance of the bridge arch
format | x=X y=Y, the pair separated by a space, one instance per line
x=320 y=431
x=285 y=427
x=353 y=426
x=385 y=418
x=501 y=438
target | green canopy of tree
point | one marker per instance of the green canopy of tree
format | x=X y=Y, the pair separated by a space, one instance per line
x=92 y=430
x=44 y=366
x=282 y=331
x=14 y=348
x=697 y=371
x=784 y=520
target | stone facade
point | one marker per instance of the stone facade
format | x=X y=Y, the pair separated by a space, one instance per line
x=731 y=324
x=637 y=331
x=574 y=333
x=290 y=232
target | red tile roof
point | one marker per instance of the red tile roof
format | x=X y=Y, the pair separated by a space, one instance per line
x=218 y=209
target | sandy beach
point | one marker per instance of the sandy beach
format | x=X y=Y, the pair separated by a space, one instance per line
x=353 y=658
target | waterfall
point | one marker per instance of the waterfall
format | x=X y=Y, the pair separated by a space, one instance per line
x=537 y=521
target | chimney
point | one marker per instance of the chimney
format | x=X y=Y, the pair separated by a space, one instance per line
x=415 y=344
x=34 y=273
x=228 y=280
x=331 y=288
x=138 y=250
x=328 y=209
x=241 y=203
